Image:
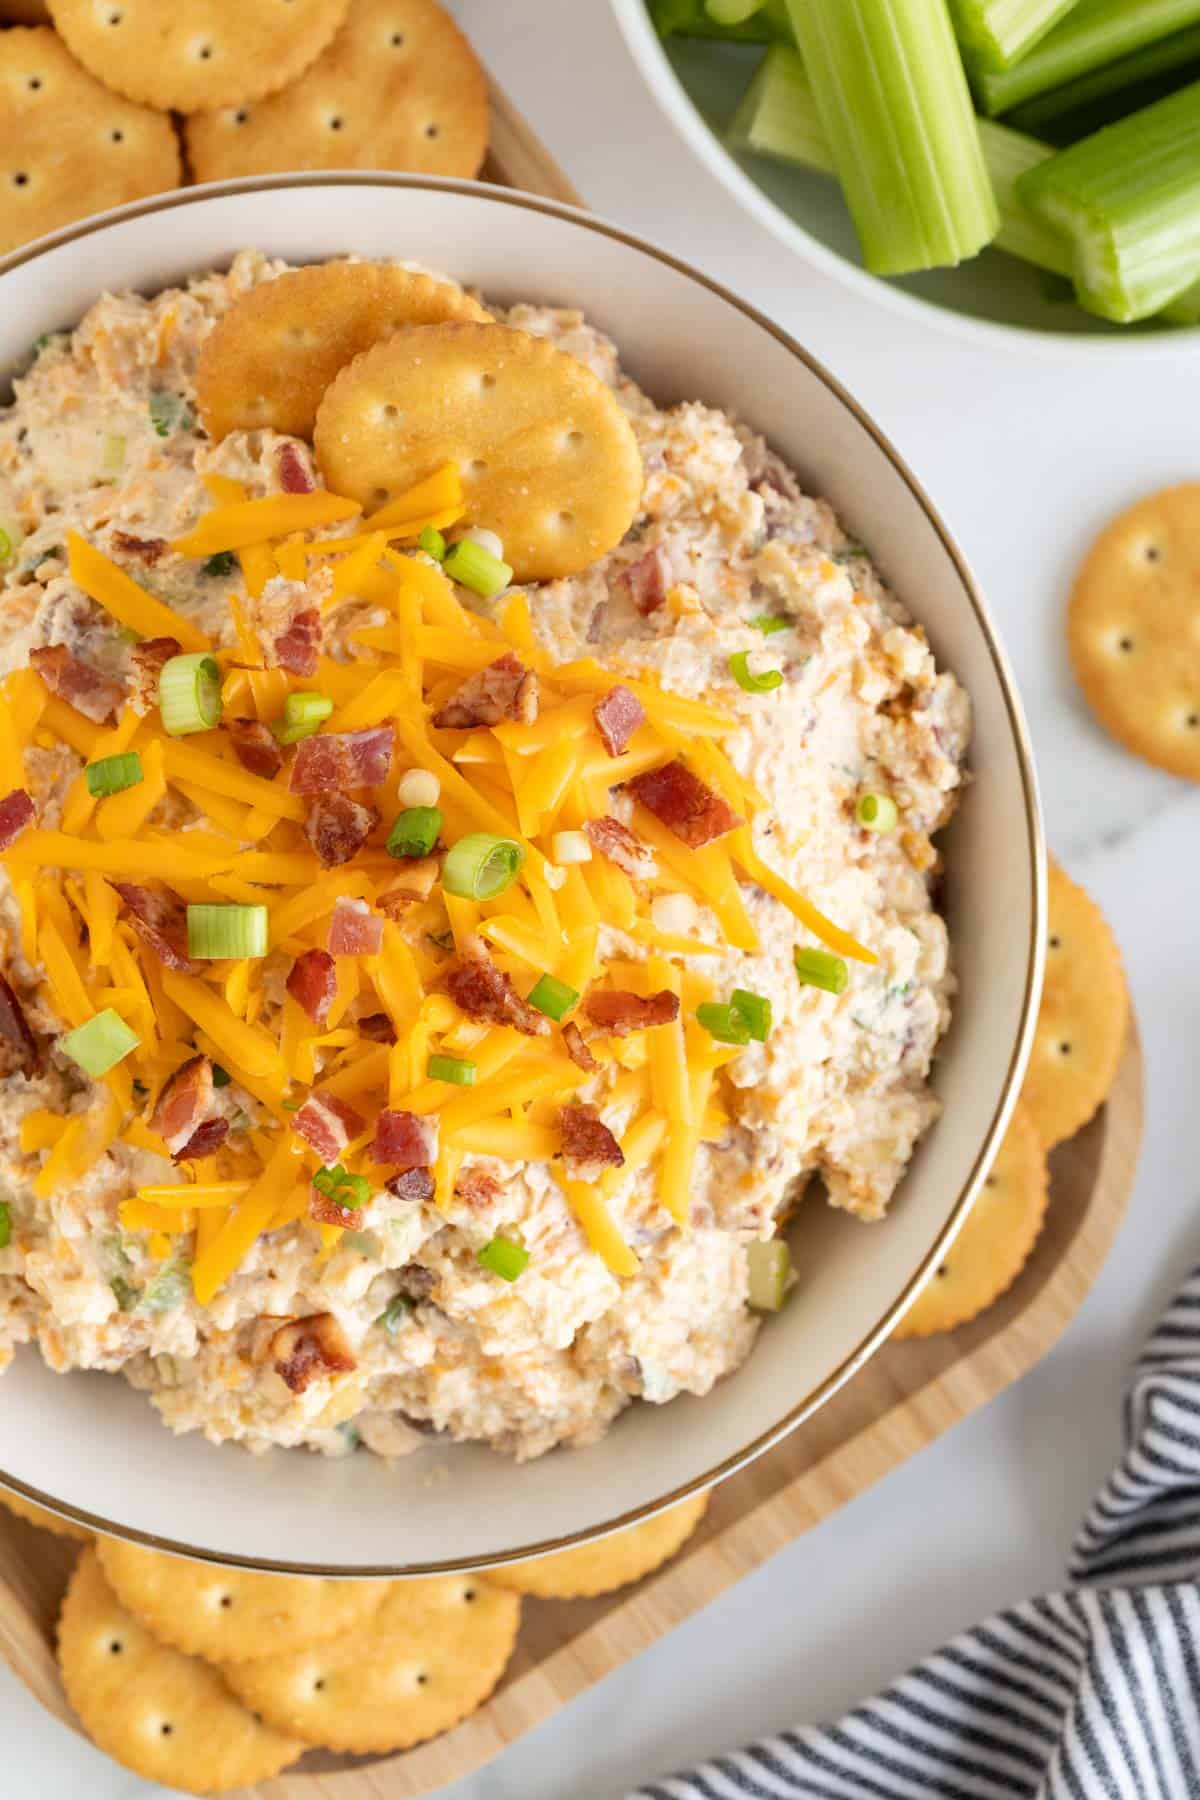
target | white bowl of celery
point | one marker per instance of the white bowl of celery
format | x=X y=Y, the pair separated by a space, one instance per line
x=1013 y=165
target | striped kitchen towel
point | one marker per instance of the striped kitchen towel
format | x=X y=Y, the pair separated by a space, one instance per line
x=1088 y=1694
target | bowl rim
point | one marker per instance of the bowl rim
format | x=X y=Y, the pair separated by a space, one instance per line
x=676 y=104
x=1035 y=844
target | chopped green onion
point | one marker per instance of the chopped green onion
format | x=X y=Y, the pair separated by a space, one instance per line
x=100 y=1043
x=767 y=1272
x=221 y=1077
x=770 y=623
x=877 y=812
x=739 y=668
x=553 y=997
x=731 y=12
x=481 y=866
x=189 y=693
x=755 y=1009
x=415 y=831
x=345 y=1190
x=6 y=546
x=503 y=1258
x=303 y=714
x=217 y=932
x=124 y=1293
x=451 y=1068
x=1093 y=34
x=725 y=1023
x=112 y=457
x=167 y=1290
x=113 y=774
x=477 y=569
x=996 y=33
x=5 y=1224
x=893 y=99
x=223 y=563
x=432 y=542
x=168 y=413
x=821 y=969
x=394 y=1314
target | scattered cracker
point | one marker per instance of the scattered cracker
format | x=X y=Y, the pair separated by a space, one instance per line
x=270 y=359
x=67 y=146
x=547 y=457
x=1133 y=628
x=168 y=1717
x=1083 y=1018
x=46 y=1521
x=610 y=1563
x=188 y=54
x=399 y=88
x=431 y=1654
x=228 y=1614
x=994 y=1245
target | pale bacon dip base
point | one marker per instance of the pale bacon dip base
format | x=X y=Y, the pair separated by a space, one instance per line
x=840 y=1092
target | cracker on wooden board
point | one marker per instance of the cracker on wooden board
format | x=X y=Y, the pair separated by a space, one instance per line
x=431 y=1654
x=1083 y=1017
x=270 y=358
x=167 y=1716
x=69 y=147
x=611 y=1562
x=227 y=1614
x=45 y=1521
x=994 y=1245
x=1133 y=627
x=187 y=54
x=399 y=88
x=547 y=457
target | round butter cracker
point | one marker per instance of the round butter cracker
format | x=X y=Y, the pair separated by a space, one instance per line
x=548 y=459
x=269 y=360
x=431 y=1654
x=994 y=1245
x=228 y=1614
x=611 y=1562
x=1083 y=1017
x=45 y=1521
x=168 y=1717
x=188 y=54
x=24 y=12
x=1133 y=628
x=399 y=88
x=69 y=147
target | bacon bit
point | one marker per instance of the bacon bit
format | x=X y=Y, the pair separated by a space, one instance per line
x=413 y=1184
x=338 y=827
x=146 y=663
x=342 y=760
x=206 y=1139
x=621 y=846
x=618 y=715
x=19 y=1052
x=184 y=1104
x=297 y=649
x=81 y=686
x=256 y=747
x=619 y=1012
x=143 y=550
x=312 y=983
x=648 y=580
x=16 y=812
x=160 y=919
x=354 y=929
x=309 y=1349
x=589 y=1147
x=295 y=476
x=684 y=804
x=415 y=884
x=378 y=1028
x=577 y=1050
x=506 y=689
x=477 y=1188
x=327 y=1125
x=324 y=1211
x=485 y=992
x=405 y=1140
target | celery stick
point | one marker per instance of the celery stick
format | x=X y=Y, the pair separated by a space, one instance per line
x=1153 y=62
x=691 y=18
x=1094 y=32
x=1128 y=200
x=997 y=33
x=1185 y=308
x=778 y=117
x=893 y=98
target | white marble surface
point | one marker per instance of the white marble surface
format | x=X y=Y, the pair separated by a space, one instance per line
x=1026 y=455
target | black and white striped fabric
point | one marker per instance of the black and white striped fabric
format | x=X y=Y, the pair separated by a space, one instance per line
x=1088 y=1694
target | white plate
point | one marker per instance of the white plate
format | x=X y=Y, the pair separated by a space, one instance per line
x=92 y=1447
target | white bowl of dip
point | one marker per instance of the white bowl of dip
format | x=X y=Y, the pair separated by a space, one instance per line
x=90 y=1446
